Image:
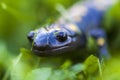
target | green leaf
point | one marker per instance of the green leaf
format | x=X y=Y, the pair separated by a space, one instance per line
x=112 y=69
x=24 y=63
x=91 y=64
x=62 y=75
x=77 y=68
x=29 y=58
x=57 y=75
x=66 y=64
x=39 y=74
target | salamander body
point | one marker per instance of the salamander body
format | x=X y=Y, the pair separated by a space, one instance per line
x=71 y=31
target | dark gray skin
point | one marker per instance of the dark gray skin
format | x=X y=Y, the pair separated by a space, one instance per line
x=64 y=35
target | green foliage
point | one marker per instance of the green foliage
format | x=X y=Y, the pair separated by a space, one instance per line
x=18 y=17
x=39 y=74
x=28 y=67
x=90 y=61
x=112 y=25
x=66 y=71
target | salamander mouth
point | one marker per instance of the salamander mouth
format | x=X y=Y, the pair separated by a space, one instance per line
x=52 y=51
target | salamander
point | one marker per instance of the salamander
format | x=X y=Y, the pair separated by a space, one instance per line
x=70 y=31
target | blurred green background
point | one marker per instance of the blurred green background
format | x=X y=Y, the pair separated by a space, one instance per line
x=18 y=17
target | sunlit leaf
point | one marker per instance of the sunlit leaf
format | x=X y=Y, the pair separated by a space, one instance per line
x=66 y=64
x=23 y=64
x=91 y=64
x=39 y=74
x=77 y=68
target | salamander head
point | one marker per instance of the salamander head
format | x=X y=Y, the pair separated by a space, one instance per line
x=52 y=40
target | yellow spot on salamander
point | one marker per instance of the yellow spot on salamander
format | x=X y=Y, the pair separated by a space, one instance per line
x=101 y=41
x=74 y=28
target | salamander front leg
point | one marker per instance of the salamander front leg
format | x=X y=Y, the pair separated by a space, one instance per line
x=100 y=36
x=103 y=51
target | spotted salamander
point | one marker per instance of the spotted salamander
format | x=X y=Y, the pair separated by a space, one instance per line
x=71 y=30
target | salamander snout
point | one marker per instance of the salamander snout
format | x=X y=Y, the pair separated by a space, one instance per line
x=41 y=42
x=40 y=47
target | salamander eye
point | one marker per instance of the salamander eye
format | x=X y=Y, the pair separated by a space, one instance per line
x=31 y=36
x=61 y=36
